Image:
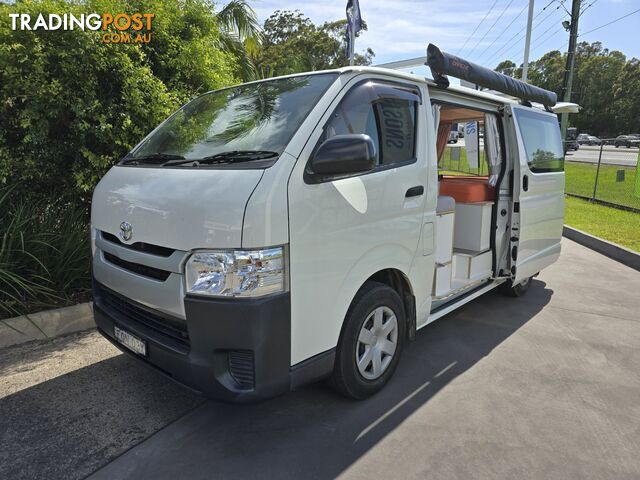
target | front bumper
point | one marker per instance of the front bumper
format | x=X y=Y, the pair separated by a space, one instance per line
x=229 y=349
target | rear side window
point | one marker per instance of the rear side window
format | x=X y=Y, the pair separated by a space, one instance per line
x=397 y=129
x=542 y=142
x=386 y=113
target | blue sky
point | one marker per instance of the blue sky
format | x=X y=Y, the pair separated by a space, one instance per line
x=400 y=29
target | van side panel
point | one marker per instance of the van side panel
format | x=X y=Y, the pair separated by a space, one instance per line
x=266 y=218
x=341 y=233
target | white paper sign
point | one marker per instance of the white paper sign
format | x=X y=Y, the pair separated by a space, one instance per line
x=471 y=143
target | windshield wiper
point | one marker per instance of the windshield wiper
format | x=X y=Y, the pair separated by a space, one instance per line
x=225 y=157
x=152 y=159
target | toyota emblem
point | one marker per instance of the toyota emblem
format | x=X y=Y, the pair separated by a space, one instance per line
x=126 y=231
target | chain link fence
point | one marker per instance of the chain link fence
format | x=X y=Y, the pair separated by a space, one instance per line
x=605 y=172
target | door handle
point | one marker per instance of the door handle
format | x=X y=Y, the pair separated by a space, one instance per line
x=525 y=183
x=414 y=191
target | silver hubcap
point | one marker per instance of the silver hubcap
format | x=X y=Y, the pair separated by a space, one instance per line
x=377 y=343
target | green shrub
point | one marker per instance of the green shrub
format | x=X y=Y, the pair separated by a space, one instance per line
x=72 y=105
x=44 y=254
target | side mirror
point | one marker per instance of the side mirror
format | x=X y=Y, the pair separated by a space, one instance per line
x=345 y=154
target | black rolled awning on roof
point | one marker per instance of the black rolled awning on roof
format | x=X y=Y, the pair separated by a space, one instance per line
x=442 y=64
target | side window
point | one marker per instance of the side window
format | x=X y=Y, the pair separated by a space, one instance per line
x=385 y=113
x=542 y=142
x=397 y=129
x=353 y=116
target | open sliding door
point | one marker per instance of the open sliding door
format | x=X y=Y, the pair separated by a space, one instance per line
x=538 y=192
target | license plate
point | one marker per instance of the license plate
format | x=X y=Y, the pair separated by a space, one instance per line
x=130 y=341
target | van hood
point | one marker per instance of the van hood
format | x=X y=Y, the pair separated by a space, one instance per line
x=178 y=208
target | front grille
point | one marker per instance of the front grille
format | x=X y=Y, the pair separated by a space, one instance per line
x=138 y=268
x=173 y=328
x=241 y=367
x=139 y=246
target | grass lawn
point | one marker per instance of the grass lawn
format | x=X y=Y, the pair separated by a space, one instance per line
x=581 y=178
x=618 y=226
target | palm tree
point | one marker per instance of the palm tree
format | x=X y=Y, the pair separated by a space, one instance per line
x=241 y=35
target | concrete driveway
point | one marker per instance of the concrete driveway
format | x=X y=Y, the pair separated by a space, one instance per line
x=545 y=386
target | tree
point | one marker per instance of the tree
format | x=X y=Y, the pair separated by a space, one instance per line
x=506 y=67
x=626 y=100
x=602 y=85
x=548 y=71
x=241 y=35
x=71 y=105
x=293 y=44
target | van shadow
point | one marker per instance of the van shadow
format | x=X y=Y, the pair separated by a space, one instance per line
x=314 y=433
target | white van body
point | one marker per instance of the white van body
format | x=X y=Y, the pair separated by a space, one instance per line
x=333 y=238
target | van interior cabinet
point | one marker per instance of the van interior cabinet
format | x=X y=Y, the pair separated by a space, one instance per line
x=445 y=217
x=472 y=226
x=442 y=283
x=470 y=266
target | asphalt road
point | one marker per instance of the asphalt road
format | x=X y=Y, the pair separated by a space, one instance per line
x=545 y=386
x=627 y=157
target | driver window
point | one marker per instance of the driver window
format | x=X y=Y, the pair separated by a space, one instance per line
x=352 y=117
x=383 y=112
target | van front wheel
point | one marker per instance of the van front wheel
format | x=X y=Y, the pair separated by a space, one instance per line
x=371 y=341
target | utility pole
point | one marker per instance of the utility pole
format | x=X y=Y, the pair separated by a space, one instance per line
x=527 y=43
x=571 y=60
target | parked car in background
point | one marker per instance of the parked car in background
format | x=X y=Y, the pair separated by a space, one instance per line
x=593 y=140
x=626 y=141
x=583 y=139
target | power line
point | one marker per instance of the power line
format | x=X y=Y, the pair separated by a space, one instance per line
x=491 y=27
x=558 y=30
x=478 y=26
x=511 y=47
x=553 y=34
x=508 y=46
x=503 y=31
x=611 y=22
x=508 y=43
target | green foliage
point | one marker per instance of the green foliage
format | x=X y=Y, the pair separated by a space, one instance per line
x=72 y=105
x=241 y=35
x=605 y=85
x=293 y=44
x=44 y=254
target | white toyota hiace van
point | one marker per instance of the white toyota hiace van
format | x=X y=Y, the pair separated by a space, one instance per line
x=283 y=231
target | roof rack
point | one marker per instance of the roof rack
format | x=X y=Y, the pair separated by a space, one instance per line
x=443 y=64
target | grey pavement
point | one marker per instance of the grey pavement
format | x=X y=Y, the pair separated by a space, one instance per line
x=544 y=386
x=70 y=405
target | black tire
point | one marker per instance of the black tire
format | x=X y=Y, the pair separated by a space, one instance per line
x=346 y=377
x=517 y=290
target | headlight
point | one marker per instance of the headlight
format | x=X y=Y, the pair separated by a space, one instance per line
x=236 y=273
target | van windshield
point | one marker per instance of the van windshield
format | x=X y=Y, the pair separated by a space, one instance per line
x=249 y=124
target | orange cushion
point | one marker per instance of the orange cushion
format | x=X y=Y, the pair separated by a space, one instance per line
x=467 y=189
